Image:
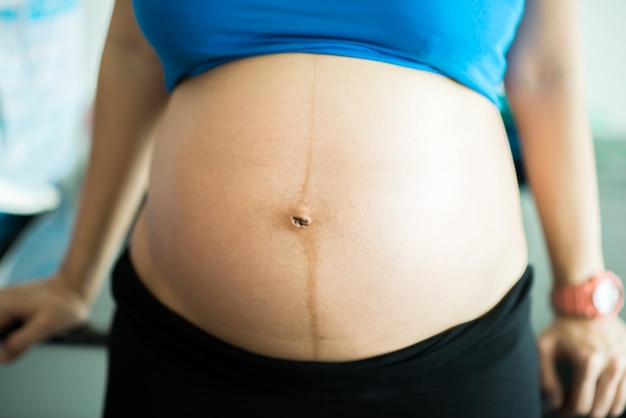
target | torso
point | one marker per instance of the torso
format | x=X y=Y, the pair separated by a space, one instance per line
x=314 y=207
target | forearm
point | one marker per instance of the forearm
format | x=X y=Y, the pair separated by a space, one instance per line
x=559 y=159
x=127 y=104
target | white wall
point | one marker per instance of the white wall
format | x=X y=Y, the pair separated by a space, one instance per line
x=97 y=14
x=604 y=37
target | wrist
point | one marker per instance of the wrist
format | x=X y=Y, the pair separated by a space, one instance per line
x=570 y=272
x=77 y=277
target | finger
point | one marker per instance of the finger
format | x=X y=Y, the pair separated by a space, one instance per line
x=619 y=403
x=12 y=306
x=30 y=333
x=7 y=304
x=607 y=388
x=587 y=370
x=550 y=383
x=6 y=321
x=6 y=330
x=11 y=314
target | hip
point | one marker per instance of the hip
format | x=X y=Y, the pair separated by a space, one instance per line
x=486 y=367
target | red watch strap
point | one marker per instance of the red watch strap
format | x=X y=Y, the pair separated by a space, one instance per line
x=570 y=300
x=578 y=300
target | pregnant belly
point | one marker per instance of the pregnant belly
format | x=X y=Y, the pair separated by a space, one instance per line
x=326 y=208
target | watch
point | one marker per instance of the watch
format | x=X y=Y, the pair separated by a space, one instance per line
x=602 y=296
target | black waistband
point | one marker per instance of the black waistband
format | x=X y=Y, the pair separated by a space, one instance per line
x=204 y=353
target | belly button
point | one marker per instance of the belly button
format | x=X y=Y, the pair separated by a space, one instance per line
x=301 y=221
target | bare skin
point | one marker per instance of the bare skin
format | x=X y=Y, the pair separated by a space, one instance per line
x=307 y=207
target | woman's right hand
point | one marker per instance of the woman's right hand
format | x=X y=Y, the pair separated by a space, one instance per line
x=43 y=309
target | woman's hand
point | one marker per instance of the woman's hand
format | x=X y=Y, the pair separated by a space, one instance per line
x=596 y=351
x=43 y=309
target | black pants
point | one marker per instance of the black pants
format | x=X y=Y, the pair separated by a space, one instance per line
x=160 y=365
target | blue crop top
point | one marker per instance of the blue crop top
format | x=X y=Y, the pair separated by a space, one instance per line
x=465 y=40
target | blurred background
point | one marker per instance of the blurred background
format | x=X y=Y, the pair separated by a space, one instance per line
x=49 y=54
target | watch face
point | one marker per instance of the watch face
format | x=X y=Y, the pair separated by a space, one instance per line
x=605 y=296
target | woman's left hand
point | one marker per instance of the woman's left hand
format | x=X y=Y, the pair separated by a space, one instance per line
x=596 y=351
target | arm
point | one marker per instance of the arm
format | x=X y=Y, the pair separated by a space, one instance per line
x=129 y=98
x=545 y=87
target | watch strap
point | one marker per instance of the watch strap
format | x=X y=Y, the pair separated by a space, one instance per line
x=577 y=300
x=573 y=300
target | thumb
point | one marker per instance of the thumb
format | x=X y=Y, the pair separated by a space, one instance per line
x=550 y=383
x=21 y=339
